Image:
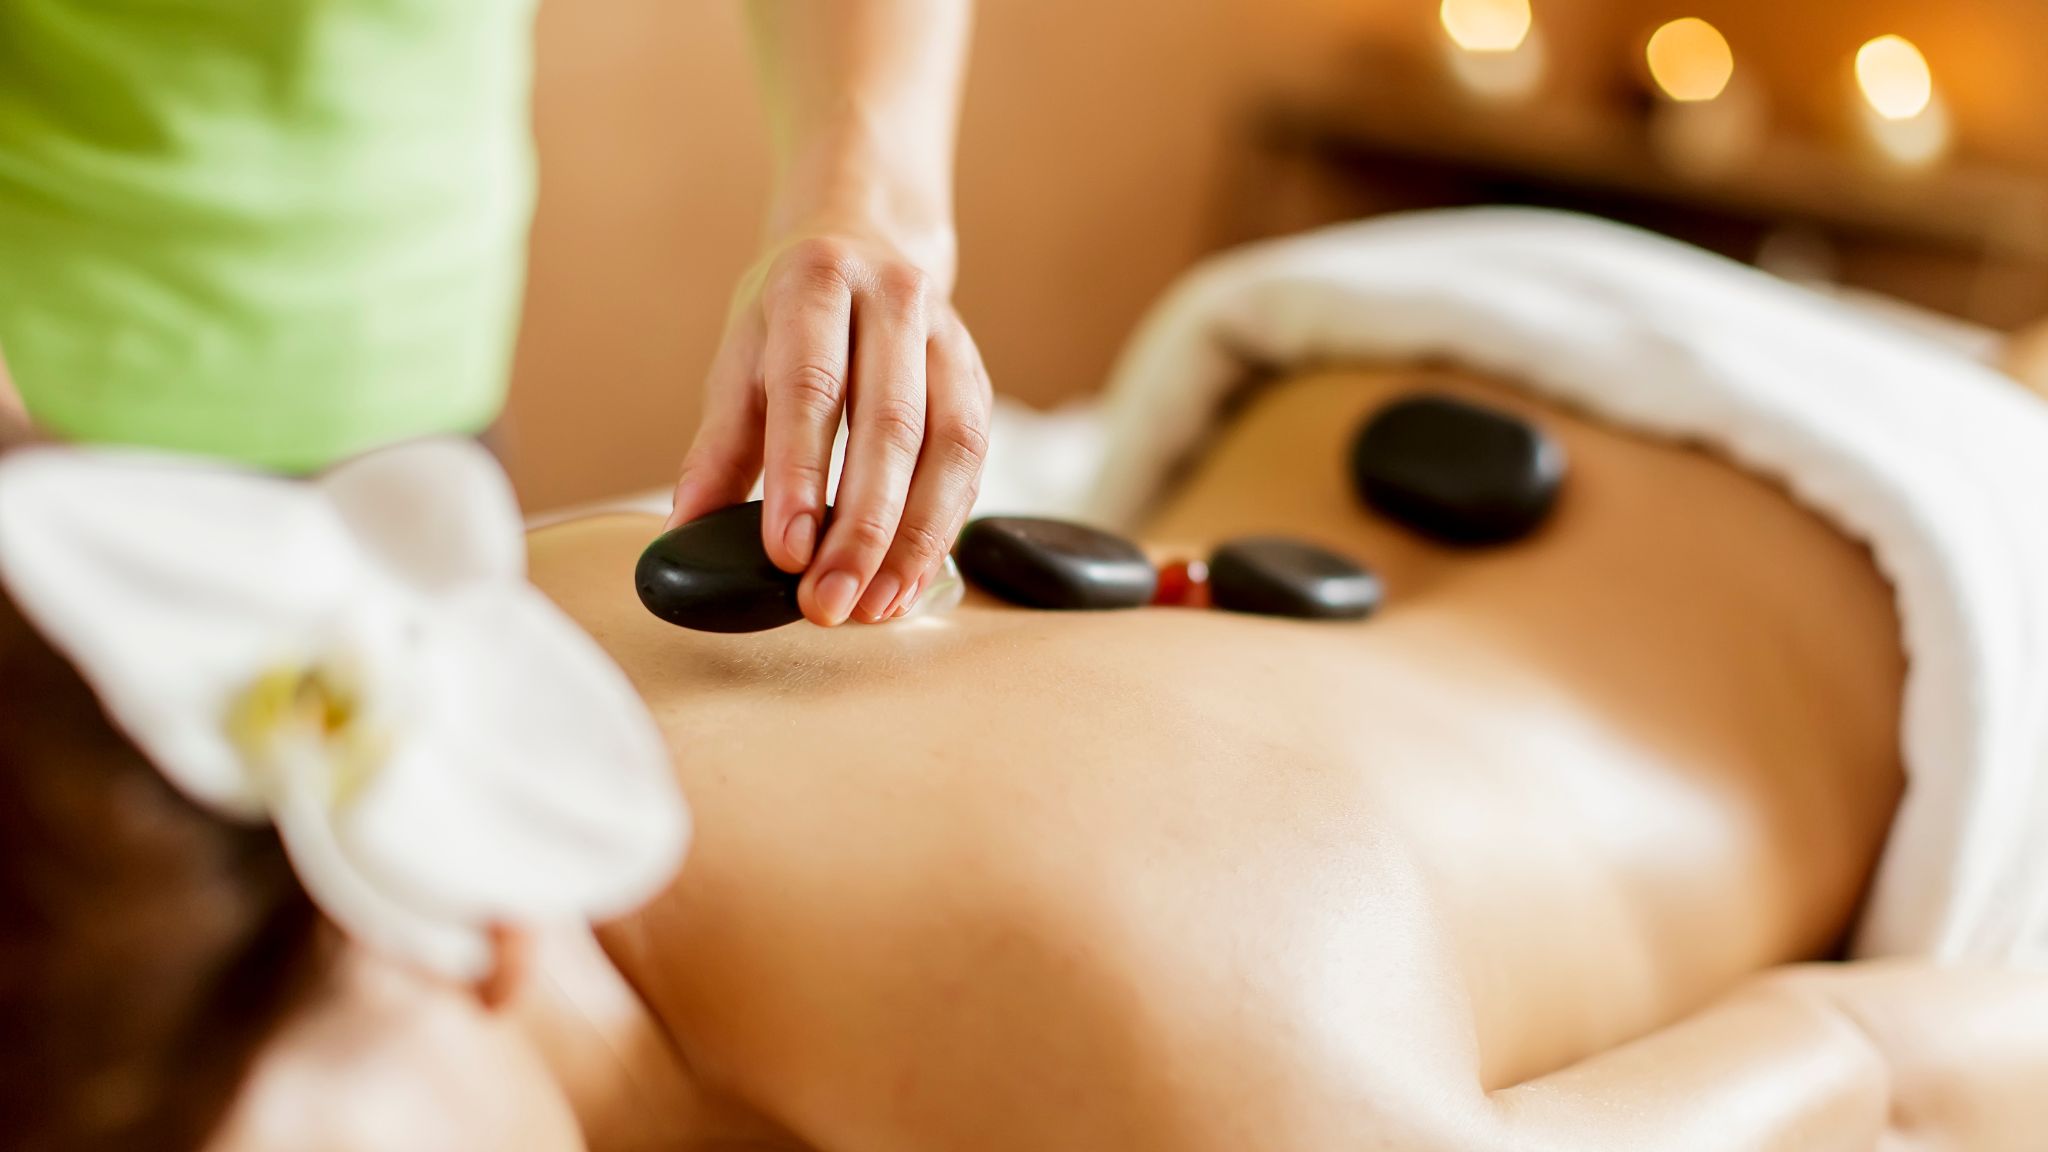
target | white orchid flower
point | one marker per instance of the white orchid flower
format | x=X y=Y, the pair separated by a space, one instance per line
x=360 y=660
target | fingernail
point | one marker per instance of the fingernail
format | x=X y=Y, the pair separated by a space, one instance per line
x=881 y=598
x=908 y=600
x=800 y=537
x=835 y=595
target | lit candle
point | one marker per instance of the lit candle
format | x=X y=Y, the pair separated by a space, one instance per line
x=1690 y=60
x=1493 y=46
x=1708 y=119
x=1901 y=112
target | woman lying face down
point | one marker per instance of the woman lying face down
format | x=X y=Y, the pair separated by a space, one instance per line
x=1537 y=858
x=289 y=772
x=166 y=983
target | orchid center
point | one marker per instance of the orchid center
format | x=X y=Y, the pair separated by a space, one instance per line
x=308 y=718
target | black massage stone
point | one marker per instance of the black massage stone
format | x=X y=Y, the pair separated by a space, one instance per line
x=1457 y=472
x=713 y=575
x=1271 y=576
x=1054 y=564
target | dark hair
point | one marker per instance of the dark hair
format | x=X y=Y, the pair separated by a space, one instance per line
x=147 y=947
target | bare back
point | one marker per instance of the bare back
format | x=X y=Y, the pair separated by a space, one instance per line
x=1185 y=879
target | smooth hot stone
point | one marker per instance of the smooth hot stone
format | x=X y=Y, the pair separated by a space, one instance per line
x=714 y=575
x=1455 y=471
x=1271 y=576
x=1054 y=564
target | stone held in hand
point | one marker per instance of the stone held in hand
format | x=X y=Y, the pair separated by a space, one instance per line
x=1041 y=563
x=1455 y=471
x=713 y=575
x=1275 y=576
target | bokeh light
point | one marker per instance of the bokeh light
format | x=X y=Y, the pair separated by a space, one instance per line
x=1894 y=77
x=1487 y=25
x=1690 y=60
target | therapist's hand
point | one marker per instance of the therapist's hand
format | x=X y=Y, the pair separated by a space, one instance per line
x=836 y=321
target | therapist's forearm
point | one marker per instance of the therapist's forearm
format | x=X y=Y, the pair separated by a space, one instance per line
x=862 y=99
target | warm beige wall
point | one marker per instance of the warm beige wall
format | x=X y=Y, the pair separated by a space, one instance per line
x=1092 y=135
x=651 y=168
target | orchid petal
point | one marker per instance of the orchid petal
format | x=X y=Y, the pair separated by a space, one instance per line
x=470 y=756
x=369 y=914
x=436 y=514
x=541 y=785
x=168 y=583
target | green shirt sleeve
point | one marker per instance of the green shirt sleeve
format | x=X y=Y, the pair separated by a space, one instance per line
x=278 y=231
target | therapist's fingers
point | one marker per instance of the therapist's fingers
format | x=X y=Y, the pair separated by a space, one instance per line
x=725 y=457
x=948 y=470
x=885 y=428
x=808 y=306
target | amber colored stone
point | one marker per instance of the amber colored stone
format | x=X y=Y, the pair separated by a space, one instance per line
x=1183 y=584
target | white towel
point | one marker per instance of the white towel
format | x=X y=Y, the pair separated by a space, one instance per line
x=1938 y=463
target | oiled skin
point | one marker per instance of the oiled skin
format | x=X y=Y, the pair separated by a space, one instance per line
x=1172 y=879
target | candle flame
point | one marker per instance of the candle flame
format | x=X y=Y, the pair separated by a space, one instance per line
x=1894 y=77
x=1487 y=25
x=1690 y=60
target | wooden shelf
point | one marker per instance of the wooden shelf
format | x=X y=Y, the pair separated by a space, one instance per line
x=1980 y=233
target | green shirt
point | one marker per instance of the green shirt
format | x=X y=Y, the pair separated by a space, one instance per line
x=279 y=231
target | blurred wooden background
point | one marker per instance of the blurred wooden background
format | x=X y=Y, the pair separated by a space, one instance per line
x=1095 y=141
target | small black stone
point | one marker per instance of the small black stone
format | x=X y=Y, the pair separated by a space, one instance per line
x=1273 y=576
x=1054 y=564
x=1455 y=471
x=714 y=575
